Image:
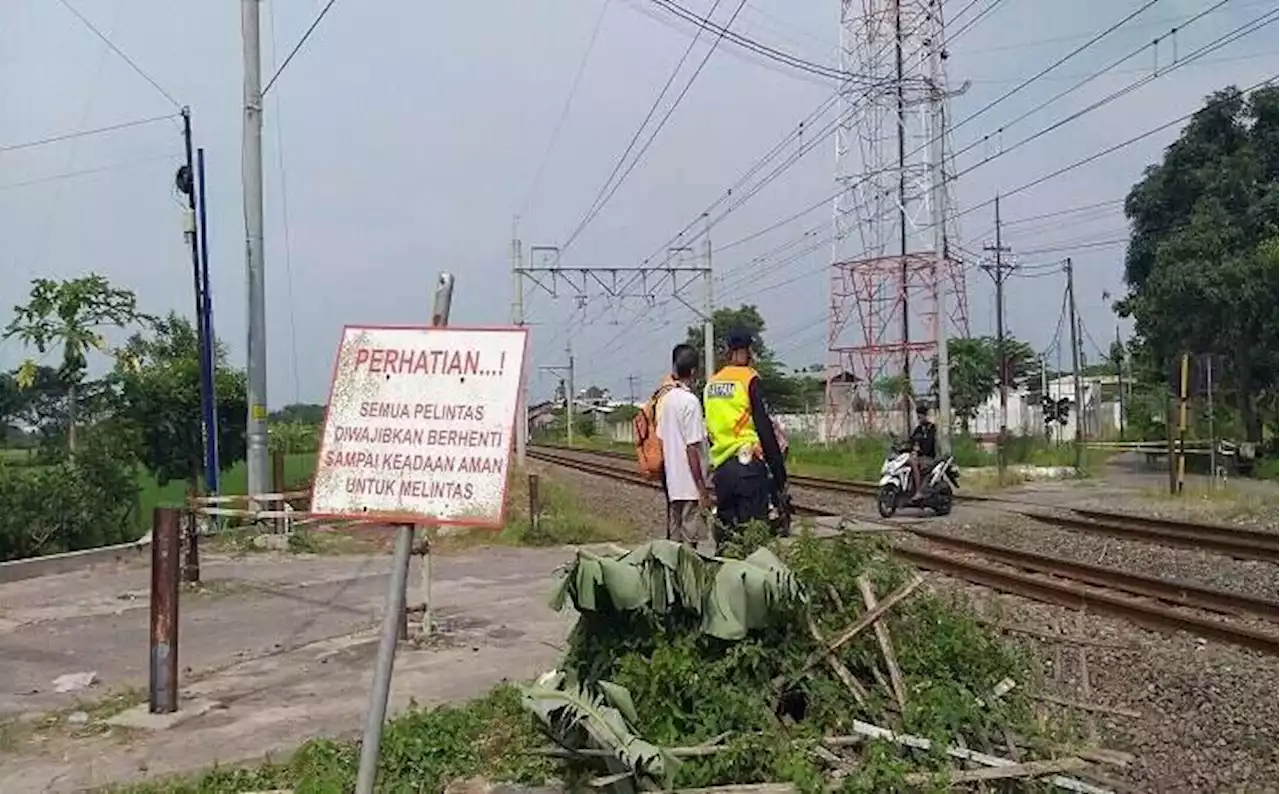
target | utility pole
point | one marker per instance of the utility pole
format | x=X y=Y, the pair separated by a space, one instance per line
x=709 y=307
x=259 y=469
x=1075 y=362
x=631 y=388
x=937 y=189
x=213 y=457
x=999 y=273
x=1120 y=379
x=517 y=319
x=192 y=232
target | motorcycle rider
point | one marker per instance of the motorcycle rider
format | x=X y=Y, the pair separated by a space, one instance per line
x=924 y=448
x=746 y=458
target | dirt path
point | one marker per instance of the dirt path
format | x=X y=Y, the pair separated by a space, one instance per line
x=284 y=645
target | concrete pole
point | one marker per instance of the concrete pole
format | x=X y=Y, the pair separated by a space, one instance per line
x=1075 y=364
x=259 y=468
x=568 y=396
x=938 y=206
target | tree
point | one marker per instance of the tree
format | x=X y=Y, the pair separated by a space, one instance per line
x=70 y=314
x=975 y=372
x=1201 y=265
x=158 y=399
x=784 y=394
x=305 y=413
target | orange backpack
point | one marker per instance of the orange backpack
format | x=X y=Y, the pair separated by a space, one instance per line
x=645 y=430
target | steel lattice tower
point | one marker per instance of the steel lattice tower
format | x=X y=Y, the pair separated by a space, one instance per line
x=887 y=279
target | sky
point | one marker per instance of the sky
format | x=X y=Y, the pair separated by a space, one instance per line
x=404 y=139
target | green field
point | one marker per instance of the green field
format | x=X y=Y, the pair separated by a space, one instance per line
x=297 y=468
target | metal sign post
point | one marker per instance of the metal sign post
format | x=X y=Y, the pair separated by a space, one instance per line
x=419 y=431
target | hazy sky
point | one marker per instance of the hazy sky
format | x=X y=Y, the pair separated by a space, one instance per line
x=405 y=136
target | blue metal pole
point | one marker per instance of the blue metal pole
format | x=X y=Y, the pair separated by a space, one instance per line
x=212 y=468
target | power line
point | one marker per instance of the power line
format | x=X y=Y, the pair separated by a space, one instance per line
x=1221 y=41
x=67 y=136
x=84 y=20
x=772 y=53
x=284 y=218
x=564 y=112
x=87 y=171
x=601 y=202
x=297 y=47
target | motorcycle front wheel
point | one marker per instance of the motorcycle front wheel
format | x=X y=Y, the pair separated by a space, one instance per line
x=887 y=501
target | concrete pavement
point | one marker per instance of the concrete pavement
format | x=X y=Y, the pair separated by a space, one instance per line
x=285 y=644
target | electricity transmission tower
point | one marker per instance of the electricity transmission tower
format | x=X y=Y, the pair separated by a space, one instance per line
x=897 y=292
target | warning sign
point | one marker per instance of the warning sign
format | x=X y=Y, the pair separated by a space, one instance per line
x=419 y=425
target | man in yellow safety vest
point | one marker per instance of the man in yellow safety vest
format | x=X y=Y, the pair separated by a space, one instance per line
x=746 y=458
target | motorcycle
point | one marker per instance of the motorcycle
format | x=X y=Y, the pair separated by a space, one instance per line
x=941 y=481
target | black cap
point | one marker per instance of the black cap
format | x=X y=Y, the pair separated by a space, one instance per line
x=738 y=339
x=922 y=409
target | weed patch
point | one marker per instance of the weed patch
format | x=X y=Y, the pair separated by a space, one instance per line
x=422 y=750
x=766 y=698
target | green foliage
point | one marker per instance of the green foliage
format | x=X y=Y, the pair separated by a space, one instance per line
x=974 y=367
x=784 y=393
x=422 y=750
x=304 y=413
x=70 y=314
x=72 y=504
x=1202 y=259
x=689 y=687
x=158 y=398
x=293 y=436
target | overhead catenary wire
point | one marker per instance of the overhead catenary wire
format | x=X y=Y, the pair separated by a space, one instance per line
x=564 y=111
x=289 y=58
x=110 y=44
x=592 y=211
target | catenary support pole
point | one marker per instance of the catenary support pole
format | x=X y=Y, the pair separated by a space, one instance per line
x=165 y=543
x=377 y=713
x=1213 y=437
x=1075 y=365
x=208 y=367
x=259 y=473
x=568 y=396
x=1120 y=380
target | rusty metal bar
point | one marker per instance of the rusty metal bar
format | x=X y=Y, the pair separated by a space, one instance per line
x=165 y=552
x=191 y=547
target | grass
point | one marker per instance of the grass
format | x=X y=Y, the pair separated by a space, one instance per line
x=422 y=750
x=15 y=733
x=297 y=467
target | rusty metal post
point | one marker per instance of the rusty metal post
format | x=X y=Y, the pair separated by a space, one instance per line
x=191 y=556
x=535 y=507
x=277 y=486
x=165 y=551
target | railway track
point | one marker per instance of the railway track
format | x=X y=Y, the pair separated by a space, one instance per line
x=1149 y=601
x=1230 y=541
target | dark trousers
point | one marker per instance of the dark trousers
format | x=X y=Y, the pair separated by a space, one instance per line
x=742 y=493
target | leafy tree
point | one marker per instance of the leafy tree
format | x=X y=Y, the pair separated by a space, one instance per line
x=1201 y=265
x=784 y=394
x=975 y=372
x=70 y=314
x=305 y=413
x=158 y=398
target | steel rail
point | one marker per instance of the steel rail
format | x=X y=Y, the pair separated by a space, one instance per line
x=1046 y=583
x=1230 y=541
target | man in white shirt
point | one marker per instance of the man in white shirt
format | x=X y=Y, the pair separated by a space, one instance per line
x=683 y=433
